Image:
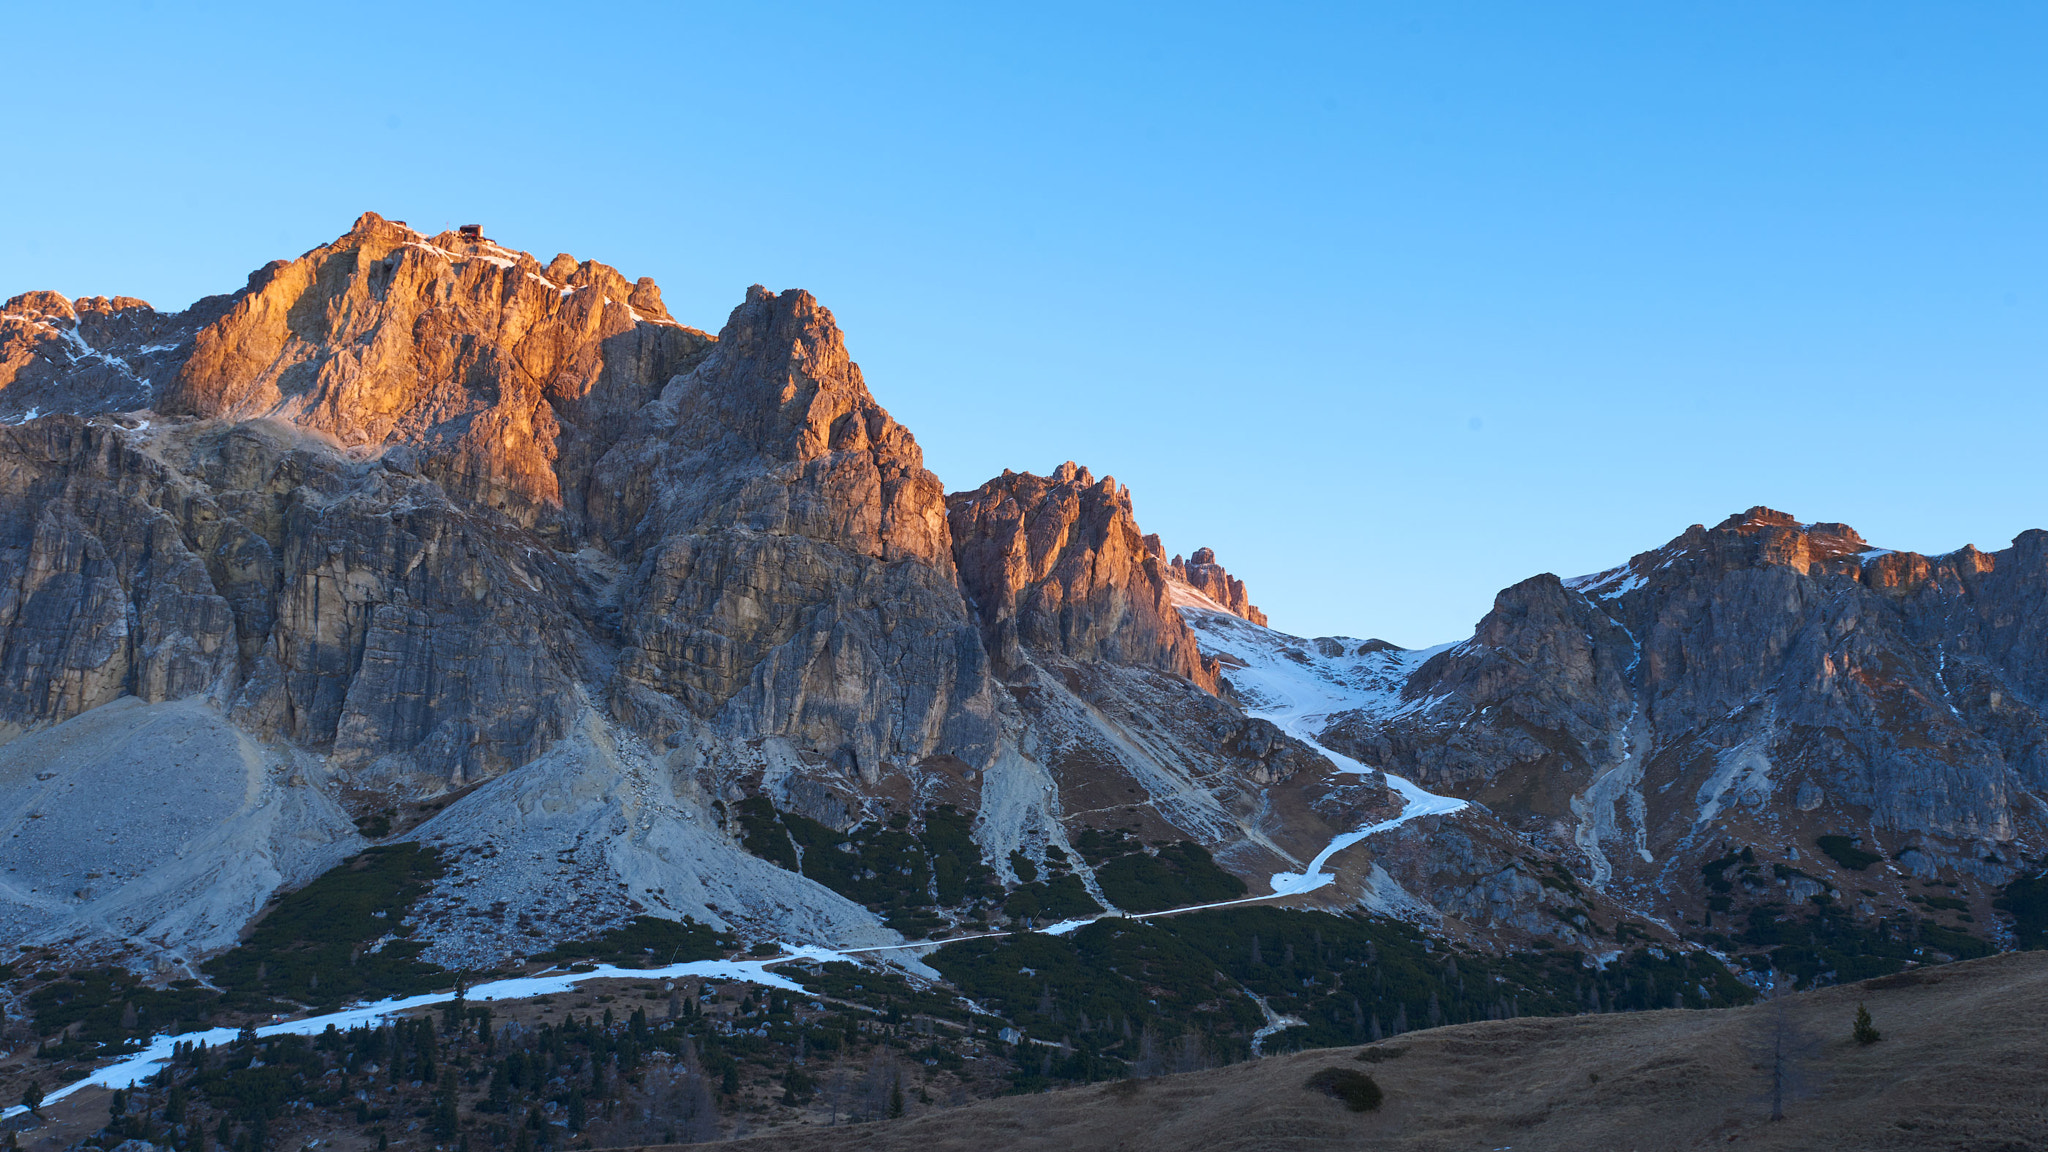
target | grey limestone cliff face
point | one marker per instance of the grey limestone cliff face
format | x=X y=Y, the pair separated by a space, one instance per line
x=96 y=354
x=415 y=500
x=332 y=603
x=1762 y=682
x=1118 y=703
x=426 y=519
x=788 y=569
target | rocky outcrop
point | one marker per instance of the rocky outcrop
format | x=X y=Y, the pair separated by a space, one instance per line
x=1202 y=573
x=1763 y=682
x=789 y=570
x=337 y=604
x=97 y=354
x=426 y=525
x=421 y=511
x=508 y=378
x=1057 y=564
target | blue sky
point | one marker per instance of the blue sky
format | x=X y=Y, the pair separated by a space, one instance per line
x=1392 y=305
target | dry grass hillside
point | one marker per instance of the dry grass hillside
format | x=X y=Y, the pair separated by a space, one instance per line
x=1963 y=1064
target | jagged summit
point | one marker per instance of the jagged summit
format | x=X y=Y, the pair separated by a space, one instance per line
x=1058 y=562
x=1757 y=538
x=1768 y=679
x=415 y=516
x=510 y=377
x=1204 y=575
x=94 y=354
x=502 y=378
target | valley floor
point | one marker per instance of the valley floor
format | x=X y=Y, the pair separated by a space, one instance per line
x=1960 y=1066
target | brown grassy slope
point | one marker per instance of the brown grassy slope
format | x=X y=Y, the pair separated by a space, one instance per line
x=1963 y=1065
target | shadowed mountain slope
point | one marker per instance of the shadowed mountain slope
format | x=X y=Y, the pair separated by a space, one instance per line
x=1955 y=1069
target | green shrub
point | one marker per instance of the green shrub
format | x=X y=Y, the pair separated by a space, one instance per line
x=99 y=1000
x=1844 y=851
x=1058 y=898
x=2026 y=901
x=885 y=866
x=1097 y=845
x=1830 y=946
x=1357 y=1090
x=320 y=945
x=1182 y=873
x=647 y=941
x=763 y=834
x=1956 y=943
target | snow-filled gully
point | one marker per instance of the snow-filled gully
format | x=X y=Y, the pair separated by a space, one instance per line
x=1296 y=696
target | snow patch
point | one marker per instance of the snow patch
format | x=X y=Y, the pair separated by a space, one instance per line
x=1616 y=581
x=1296 y=685
x=1743 y=771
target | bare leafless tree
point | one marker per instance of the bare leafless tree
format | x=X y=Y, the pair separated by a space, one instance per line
x=670 y=1105
x=1148 y=1062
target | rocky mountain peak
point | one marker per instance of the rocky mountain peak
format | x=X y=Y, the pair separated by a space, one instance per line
x=1072 y=473
x=1057 y=564
x=1759 y=517
x=782 y=361
x=1203 y=574
x=94 y=354
x=1785 y=537
x=1758 y=538
x=508 y=377
x=41 y=304
x=775 y=428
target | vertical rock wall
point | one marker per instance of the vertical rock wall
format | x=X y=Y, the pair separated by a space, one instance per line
x=1058 y=564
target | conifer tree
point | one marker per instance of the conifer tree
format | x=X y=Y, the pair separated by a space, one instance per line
x=1864 y=1031
x=447 y=1119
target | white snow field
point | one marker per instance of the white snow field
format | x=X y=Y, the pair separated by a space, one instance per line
x=1297 y=684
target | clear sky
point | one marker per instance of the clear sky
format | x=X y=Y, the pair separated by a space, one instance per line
x=1391 y=304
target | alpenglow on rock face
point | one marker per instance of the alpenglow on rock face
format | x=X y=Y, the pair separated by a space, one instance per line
x=1202 y=573
x=511 y=377
x=420 y=538
x=1058 y=563
x=423 y=517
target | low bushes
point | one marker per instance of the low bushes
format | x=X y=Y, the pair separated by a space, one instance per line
x=1358 y=1091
